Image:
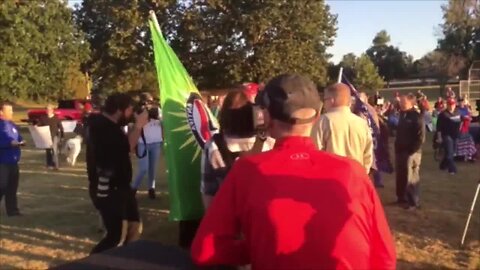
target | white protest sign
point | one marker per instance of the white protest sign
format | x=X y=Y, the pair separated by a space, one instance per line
x=41 y=137
x=69 y=125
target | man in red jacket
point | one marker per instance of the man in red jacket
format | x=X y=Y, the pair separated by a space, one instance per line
x=295 y=207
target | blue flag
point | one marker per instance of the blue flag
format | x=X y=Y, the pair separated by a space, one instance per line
x=360 y=108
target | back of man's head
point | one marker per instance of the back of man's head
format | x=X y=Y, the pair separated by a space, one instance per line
x=293 y=105
x=407 y=102
x=117 y=102
x=338 y=95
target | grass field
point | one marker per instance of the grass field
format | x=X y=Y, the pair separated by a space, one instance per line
x=60 y=224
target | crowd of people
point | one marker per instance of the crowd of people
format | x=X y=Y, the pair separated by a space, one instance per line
x=288 y=180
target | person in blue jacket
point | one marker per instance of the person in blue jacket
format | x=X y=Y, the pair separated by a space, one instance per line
x=10 y=142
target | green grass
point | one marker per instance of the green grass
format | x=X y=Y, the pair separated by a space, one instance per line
x=60 y=223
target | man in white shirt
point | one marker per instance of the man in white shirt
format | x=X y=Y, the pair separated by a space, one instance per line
x=341 y=132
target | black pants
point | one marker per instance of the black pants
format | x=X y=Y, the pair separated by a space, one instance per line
x=186 y=232
x=114 y=210
x=52 y=153
x=112 y=218
x=9 y=176
x=408 y=178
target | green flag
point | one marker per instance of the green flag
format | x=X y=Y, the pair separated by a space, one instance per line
x=183 y=112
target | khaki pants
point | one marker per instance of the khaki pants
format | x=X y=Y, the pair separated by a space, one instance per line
x=408 y=178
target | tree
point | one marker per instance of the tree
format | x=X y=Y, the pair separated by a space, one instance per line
x=441 y=65
x=461 y=30
x=348 y=60
x=348 y=63
x=39 y=44
x=118 y=34
x=224 y=42
x=366 y=75
x=77 y=84
x=390 y=61
x=382 y=38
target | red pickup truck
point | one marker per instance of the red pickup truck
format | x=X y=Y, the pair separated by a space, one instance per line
x=68 y=109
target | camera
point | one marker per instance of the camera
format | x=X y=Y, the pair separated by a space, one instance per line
x=258 y=119
x=379 y=101
x=145 y=105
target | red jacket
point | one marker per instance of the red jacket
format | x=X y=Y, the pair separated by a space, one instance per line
x=296 y=208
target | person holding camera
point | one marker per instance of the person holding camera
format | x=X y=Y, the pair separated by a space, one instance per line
x=149 y=145
x=109 y=169
x=237 y=137
x=295 y=206
x=10 y=142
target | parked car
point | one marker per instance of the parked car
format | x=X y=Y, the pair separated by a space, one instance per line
x=68 y=109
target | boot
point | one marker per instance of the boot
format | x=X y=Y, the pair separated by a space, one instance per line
x=151 y=194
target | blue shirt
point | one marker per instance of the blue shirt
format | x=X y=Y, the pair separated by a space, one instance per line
x=8 y=133
x=463 y=111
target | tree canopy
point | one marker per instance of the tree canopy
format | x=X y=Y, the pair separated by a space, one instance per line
x=366 y=75
x=361 y=71
x=461 y=30
x=39 y=43
x=382 y=38
x=48 y=51
x=392 y=63
x=117 y=30
x=225 y=42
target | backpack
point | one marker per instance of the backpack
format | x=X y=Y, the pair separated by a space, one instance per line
x=214 y=177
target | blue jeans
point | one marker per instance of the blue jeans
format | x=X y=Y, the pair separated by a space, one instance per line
x=147 y=164
x=377 y=179
x=449 y=148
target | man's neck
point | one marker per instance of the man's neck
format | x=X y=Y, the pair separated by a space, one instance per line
x=110 y=117
x=279 y=134
x=340 y=108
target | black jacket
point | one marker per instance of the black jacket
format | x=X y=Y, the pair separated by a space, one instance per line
x=410 y=132
x=55 y=125
x=108 y=157
x=448 y=124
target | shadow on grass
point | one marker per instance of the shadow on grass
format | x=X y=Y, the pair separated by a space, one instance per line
x=405 y=265
x=434 y=231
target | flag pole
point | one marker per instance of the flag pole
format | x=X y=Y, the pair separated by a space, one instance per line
x=153 y=17
x=340 y=73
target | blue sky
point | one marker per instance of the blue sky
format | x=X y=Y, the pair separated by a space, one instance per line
x=412 y=25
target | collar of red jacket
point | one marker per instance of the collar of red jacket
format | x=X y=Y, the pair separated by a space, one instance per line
x=294 y=142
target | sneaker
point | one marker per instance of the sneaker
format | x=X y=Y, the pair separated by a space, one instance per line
x=452 y=173
x=151 y=194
